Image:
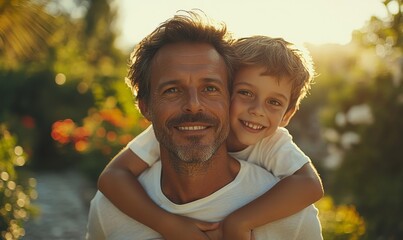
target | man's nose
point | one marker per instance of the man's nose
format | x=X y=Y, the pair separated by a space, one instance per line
x=193 y=101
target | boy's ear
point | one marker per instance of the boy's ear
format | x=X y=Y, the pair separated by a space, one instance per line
x=144 y=109
x=287 y=117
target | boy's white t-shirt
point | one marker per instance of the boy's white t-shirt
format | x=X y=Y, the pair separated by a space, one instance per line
x=277 y=153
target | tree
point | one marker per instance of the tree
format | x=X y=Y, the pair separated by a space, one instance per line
x=73 y=67
x=366 y=128
x=24 y=29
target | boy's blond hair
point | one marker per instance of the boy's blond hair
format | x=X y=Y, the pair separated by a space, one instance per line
x=282 y=59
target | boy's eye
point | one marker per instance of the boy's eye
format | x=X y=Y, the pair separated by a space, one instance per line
x=274 y=102
x=245 y=93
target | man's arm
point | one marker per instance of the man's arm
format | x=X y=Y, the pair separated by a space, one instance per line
x=286 y=198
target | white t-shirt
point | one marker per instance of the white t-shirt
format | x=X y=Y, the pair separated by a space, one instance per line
x=277 y=153
x=108 y=222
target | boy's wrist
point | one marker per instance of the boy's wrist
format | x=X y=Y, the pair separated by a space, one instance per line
x=165 y=223
x=235 y=227
x=237 y=221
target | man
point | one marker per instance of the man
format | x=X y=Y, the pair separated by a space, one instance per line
x=182 y=74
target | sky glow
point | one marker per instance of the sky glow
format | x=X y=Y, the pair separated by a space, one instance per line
x=299 y=21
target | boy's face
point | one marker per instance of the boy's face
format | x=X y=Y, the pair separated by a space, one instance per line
x=258 y=106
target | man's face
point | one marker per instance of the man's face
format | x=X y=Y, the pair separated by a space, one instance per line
x=189 y=101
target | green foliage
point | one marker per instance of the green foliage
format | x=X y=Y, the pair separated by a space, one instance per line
x=75 y=74
x=16 y=192
x=370 y=174
x=24 y=29
x=365 y=118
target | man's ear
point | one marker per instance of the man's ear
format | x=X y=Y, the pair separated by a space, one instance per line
x=287 y=117
x=144 y=109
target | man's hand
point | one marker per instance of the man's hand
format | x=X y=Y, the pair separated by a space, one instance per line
x=184 y=228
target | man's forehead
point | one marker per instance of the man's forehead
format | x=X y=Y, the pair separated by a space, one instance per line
x=188 y=57
x=191 y=51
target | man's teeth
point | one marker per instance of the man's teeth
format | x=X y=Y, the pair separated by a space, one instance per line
x=192 y=128
x=252 y=125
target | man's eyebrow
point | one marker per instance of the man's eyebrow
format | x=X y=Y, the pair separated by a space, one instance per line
x=213 y=80
x=177 y=82
x=168 y=83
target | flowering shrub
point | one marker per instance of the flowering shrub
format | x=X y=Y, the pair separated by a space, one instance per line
x=100 y=135
x=339 y=222
x=15 y=194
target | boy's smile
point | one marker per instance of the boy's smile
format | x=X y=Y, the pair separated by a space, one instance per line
x=258 y=106
x=251 y=125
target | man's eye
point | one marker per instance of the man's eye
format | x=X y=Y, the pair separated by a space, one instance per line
x=211 y=89
x=171 y=90
x=245 y=93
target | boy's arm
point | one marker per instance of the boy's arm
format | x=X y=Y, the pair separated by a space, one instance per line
x=118 y=182
x=286 y=198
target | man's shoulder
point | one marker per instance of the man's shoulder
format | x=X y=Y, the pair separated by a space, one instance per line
x=304 y=224
x=150 y=179
x=100 y=201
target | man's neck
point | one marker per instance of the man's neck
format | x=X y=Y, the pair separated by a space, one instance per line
x=197 y=181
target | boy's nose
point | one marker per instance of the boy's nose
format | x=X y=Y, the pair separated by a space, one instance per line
x=256 y=109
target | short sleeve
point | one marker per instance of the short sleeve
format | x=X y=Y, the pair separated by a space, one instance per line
x=146 y=146
x=280 y=155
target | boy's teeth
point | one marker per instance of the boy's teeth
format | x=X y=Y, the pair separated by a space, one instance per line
x=252 y=125
x=192 y=128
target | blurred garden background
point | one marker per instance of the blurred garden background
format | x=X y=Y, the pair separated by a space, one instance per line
x=64 y=106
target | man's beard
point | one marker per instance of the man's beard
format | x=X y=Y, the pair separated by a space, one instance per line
x=193 y=155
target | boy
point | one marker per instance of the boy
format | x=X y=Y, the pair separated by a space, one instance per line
x=272 y=79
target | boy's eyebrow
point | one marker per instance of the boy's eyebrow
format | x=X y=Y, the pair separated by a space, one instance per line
x=279 y=95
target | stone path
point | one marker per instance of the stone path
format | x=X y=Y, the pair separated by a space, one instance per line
x=63 y=199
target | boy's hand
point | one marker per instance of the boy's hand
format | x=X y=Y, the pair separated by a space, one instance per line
x=235 y=230
x=234 y=234
x=184 y=228
x=231 y=233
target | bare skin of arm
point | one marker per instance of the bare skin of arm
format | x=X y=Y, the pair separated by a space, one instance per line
x=118 y=182
x=287 y=197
